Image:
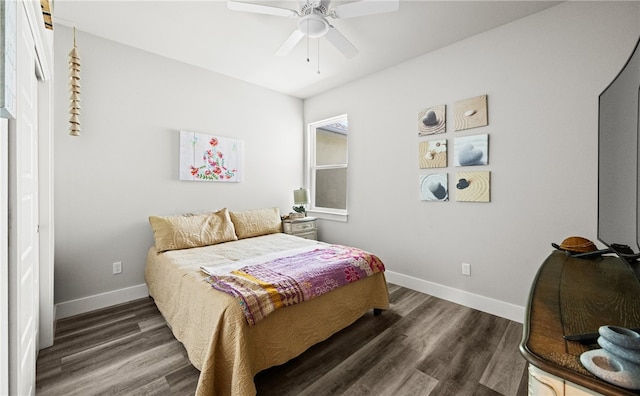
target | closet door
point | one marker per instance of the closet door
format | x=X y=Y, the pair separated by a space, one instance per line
x=23 y=223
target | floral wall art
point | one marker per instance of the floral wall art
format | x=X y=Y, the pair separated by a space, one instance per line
x=205 y=157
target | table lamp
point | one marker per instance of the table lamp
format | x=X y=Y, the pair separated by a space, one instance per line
x=300 y=199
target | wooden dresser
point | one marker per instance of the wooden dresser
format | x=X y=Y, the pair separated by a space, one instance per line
x=575 y=296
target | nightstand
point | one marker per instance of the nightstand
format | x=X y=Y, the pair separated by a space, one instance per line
x=305 y=227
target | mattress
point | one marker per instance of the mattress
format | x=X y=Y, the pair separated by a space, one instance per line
x=212 y=327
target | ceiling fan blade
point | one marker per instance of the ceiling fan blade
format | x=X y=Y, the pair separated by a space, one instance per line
x=261 y=9
x=365 y=7
x=341 y=43
x=291 y=42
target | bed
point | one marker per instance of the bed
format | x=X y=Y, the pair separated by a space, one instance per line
x=211 y=324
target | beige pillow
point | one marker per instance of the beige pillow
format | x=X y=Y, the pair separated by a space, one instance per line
x=181 y=232
x=250 y=223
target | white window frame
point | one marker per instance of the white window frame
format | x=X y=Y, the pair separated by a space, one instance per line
x=323 y=213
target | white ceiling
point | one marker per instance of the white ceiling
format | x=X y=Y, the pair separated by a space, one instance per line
x=241 y=45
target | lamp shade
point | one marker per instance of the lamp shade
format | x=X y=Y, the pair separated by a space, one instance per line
x=300 y=196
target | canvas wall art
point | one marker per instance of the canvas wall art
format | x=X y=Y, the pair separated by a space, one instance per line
x=205 y=157
x=432 y=120
x=473 y=186
x=471 y=150
x=434 y=187
x=432 y=154
x=470 y=113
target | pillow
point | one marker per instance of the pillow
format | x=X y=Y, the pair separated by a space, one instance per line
x=181 y=232
x=251 y=223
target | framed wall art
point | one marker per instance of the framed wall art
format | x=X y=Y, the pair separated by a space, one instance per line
x=470 y=113
x=434 y=187
x=205 y=157
x=473 y=186
x=471 y=150
x=432 y=120
x=432 y=154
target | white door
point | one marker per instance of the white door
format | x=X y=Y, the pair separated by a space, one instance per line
x=23 y=222
x=4 y=257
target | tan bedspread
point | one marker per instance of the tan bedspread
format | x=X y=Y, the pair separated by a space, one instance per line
x=210 y=324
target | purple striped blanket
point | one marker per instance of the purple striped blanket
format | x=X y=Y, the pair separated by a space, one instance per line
x=262 y=288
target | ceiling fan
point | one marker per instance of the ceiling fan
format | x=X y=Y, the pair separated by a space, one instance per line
x=313 y=21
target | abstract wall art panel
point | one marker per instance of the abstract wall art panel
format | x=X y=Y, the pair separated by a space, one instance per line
x=432 y=120
x=434 y=187
x=473 y=186
x=205 y=157
x=471 y=150
x=432 y=154
x=470 y=113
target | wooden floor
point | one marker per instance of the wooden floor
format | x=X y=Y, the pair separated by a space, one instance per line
x=421 y=346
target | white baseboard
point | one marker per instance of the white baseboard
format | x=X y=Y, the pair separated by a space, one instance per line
x=485 y=304
x=98 y=301
x=475 y=301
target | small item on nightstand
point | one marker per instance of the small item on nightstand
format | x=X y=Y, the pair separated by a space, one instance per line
x=295 y=215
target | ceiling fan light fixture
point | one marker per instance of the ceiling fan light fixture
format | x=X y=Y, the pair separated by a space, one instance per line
x=313 y=20
x=313 y=26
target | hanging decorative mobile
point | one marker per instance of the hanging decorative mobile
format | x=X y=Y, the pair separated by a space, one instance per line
x=74 y=82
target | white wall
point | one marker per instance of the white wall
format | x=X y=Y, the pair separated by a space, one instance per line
x=124 y=167
x=542 y=75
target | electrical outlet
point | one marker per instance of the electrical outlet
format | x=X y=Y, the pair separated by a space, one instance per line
x=117 y=267
x=466 y=269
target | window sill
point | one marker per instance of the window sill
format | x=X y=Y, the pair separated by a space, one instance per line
x=343 y=217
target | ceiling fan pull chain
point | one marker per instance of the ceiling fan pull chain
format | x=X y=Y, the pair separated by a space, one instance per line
x=307 y=43
x=318 y=55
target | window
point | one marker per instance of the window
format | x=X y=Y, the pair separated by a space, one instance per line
x=327 y=167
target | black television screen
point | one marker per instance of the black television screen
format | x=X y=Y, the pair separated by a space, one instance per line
x=618 y=159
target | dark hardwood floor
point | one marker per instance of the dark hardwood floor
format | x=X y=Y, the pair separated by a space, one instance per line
x=422 y=346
